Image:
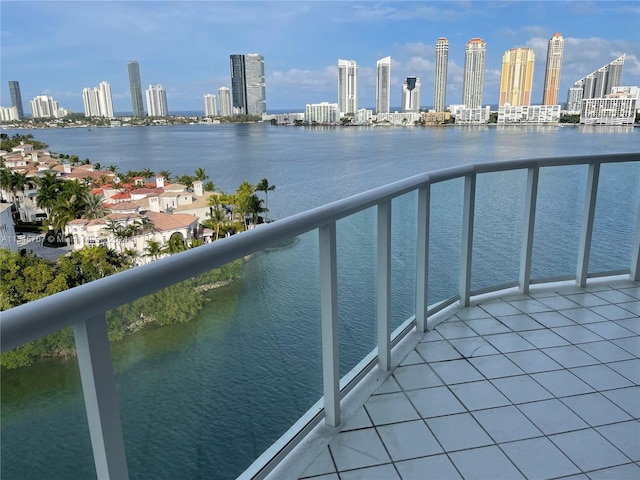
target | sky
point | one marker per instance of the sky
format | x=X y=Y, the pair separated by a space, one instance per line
x=58 y=48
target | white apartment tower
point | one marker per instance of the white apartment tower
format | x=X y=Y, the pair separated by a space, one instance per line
x=97 y=101
x=347 y=86
x=473 y=81
x=440 y=80
x=383 y=85
x=157 y=101
x=43 y=106
x=552 y=72
x=224 y=100
x=411 y=95
x=210 y=107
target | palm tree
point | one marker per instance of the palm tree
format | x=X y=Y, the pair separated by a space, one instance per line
x=153 y=249
x=166 y=174
x=49 y=187
x=200 y=174
x=174 y=245
x=5 y=180
x=255 y=208
x=97 y=166
x=94 y=206
x=263 y=186
x=117 y=231
x=147 y=173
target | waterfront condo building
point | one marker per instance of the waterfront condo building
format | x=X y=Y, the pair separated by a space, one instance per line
x=136 y=89
x=383 y=85
x=473 y=80
x=516 y=80
x=322 y=113
x=16 y=97
x=210 y=107
x=248 y=87
x=601 y=82
x=440 y=78
x=347 y=87
x=97 y=101
x=157 y=101
x=43 y=106
x=224 y=100
x=613 y=109
x=411 y=94
x=552 y=71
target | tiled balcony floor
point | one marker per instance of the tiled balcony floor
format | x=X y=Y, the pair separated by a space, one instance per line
x=545 y=385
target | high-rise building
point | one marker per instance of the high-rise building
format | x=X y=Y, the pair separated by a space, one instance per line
x=552 y=72
x=440 y=79
x=383 y=85
x=224 y=100
x=600 y=83
x=473 y=81
x=97 y=101
x=347 y=86
x=210 y=107
x=248 y=87
x=157 y=101
x=256 y=88
x=136 y=89
x=411 y=95
x=43 y=106
x=516 y=80
x=16 y=97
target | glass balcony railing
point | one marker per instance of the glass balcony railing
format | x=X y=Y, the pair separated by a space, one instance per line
x=390 y=257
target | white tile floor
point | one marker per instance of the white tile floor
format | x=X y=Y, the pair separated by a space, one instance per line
x=545 y=385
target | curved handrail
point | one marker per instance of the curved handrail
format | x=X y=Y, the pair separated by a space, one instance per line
x=25 y=323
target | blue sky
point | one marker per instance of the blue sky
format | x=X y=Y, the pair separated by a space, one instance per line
x=58 y=48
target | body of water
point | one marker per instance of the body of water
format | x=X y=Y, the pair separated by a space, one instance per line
x=203 y=400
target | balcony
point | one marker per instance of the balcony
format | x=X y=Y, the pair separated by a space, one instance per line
x=469 y=385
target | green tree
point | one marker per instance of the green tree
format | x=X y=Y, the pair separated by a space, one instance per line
x=242 y=202
x=166 y=174
x=153 y=249
x=49 y=187
x=94 y=207
x=200 y=174
x=264 y=186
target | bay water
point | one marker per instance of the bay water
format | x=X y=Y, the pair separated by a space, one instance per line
x=204 y=399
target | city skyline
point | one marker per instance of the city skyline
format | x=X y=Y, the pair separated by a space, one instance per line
x=300 y=62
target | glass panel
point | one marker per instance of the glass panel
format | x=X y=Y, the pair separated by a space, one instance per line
x=356 y=255
x=561 y=192
x=403 y=257
x=445 y=231
x=616 y=217
x=498 y=227
x=44 y=423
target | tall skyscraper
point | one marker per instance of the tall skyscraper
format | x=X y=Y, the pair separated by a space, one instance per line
x=247 y=84
x=224 y=100
x=43 y=106
x=16 y=97
x=473 y=81
x=411 y=95
x=383 y=85
x=97 y=101
x=599 y=83
x=136 y=89
x=516 y=79
x=440 y=80
x=552 y=72
x=347 y=86
x=210 y=107
x=157 y=101
x=256 y=88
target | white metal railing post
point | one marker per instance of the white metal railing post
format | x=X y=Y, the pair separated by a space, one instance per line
x=634 y=271
x=468 y=212
x=584 y=248
x=329 y=318
x=384 y=285
x=422 y=258
x=101 y=398
x=528 y=228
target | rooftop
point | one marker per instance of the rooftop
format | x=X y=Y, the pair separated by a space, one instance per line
x=543 y=385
